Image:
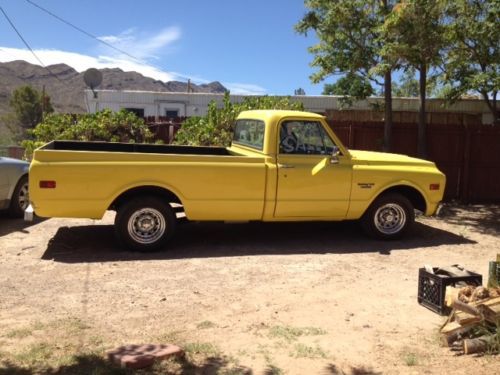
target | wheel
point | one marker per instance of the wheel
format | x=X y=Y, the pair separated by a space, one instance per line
x=145 y=224
x=389 y=217
x=20 y=198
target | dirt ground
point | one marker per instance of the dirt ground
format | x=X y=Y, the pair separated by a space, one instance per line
x=301 y=298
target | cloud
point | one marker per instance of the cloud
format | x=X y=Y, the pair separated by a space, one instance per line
x=141 y=45
x=244 y=88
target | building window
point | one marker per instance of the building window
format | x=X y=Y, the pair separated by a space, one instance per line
x=171 y=113
x=139 y=112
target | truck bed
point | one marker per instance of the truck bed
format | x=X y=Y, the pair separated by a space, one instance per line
x=134 y=148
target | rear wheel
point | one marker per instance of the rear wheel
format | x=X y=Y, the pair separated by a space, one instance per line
x=389 y=217
x=145 y=224
x=20 y=198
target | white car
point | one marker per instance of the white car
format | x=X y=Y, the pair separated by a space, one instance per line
x=14 y=186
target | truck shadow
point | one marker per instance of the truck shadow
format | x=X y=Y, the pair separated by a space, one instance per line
x=96 y=243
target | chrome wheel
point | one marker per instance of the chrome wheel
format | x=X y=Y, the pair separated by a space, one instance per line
x=146 y=226
x=23 y=197
x=390 y=218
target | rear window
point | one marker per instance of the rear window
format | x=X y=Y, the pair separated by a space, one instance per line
x=249 y=133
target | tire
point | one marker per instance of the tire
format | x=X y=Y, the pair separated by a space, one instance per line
x=145 y=224
x=389 y=217
x=20 y=198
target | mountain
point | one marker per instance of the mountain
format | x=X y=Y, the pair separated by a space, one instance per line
x=65 y=85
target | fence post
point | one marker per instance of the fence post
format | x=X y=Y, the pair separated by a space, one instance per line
x=170 y=133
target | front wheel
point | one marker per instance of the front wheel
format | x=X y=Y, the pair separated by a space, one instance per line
x=389 y=217
x=145 y=224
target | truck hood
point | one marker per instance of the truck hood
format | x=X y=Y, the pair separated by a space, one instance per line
x=383 y=158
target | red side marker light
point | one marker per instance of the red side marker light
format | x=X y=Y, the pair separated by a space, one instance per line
x=434 y=187
x=47 y=184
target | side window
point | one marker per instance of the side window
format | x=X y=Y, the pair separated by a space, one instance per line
x=249 y=133
x=305 y=138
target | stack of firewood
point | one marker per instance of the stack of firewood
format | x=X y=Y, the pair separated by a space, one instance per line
x=474 y=322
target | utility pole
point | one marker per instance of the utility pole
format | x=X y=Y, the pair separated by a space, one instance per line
x=43 y=102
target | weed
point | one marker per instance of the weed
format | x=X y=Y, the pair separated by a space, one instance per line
x=170 y=337
x=410 y=359
x=273 y=370
x=289 y=334
x=19 y=333
x=203 y=348
x=36 y=354
x=304 y=351
x=242 y=353
x=205 y=324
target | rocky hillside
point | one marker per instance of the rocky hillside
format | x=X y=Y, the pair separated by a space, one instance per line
x=65 y=87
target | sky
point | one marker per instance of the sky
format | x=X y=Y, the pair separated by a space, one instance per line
x=251 y=47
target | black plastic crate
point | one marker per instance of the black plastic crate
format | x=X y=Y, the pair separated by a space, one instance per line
x=432 y=288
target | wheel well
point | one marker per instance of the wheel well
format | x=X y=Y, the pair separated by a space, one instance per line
x=162 y=193
x=412 y=194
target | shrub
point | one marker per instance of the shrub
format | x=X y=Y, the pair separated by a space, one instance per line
x=105 y=125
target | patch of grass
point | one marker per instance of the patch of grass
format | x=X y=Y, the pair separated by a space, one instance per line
x=273 y=370
x=410 y=359
x=19 y=333
x=242 y=353
x=173 y=337
x=70 y=324
x=36 y=355
x=289 y=333
x=205 y=324
x=38 y=325
x=204 y=348
x=304 y=351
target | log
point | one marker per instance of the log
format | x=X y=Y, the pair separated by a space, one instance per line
x=491 y=310
x=469 y=309
x=453 y=330
x=451 y=295
x=478 y=345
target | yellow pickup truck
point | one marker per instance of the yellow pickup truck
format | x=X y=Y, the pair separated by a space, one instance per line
x=281 y=166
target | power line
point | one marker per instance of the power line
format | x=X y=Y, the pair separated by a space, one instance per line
x=26 y=44
x=82 y=31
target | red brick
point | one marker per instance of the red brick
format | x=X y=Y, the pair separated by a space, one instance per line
x=140 y=356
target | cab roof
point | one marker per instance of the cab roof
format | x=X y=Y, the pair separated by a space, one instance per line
x=276 y=114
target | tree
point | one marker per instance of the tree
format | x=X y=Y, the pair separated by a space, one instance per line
x=350 y=86
x=350 y=41
x=473 y=58
x=215 y=129
x=415 y=29
x=408 y=86
x=29 y=105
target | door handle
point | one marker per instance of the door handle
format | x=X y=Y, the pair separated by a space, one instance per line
x=286 y=166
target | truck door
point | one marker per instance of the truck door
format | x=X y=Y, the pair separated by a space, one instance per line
x=311 y=182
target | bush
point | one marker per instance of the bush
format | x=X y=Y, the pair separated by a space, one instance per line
x=105 y=126
x=216 y=128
